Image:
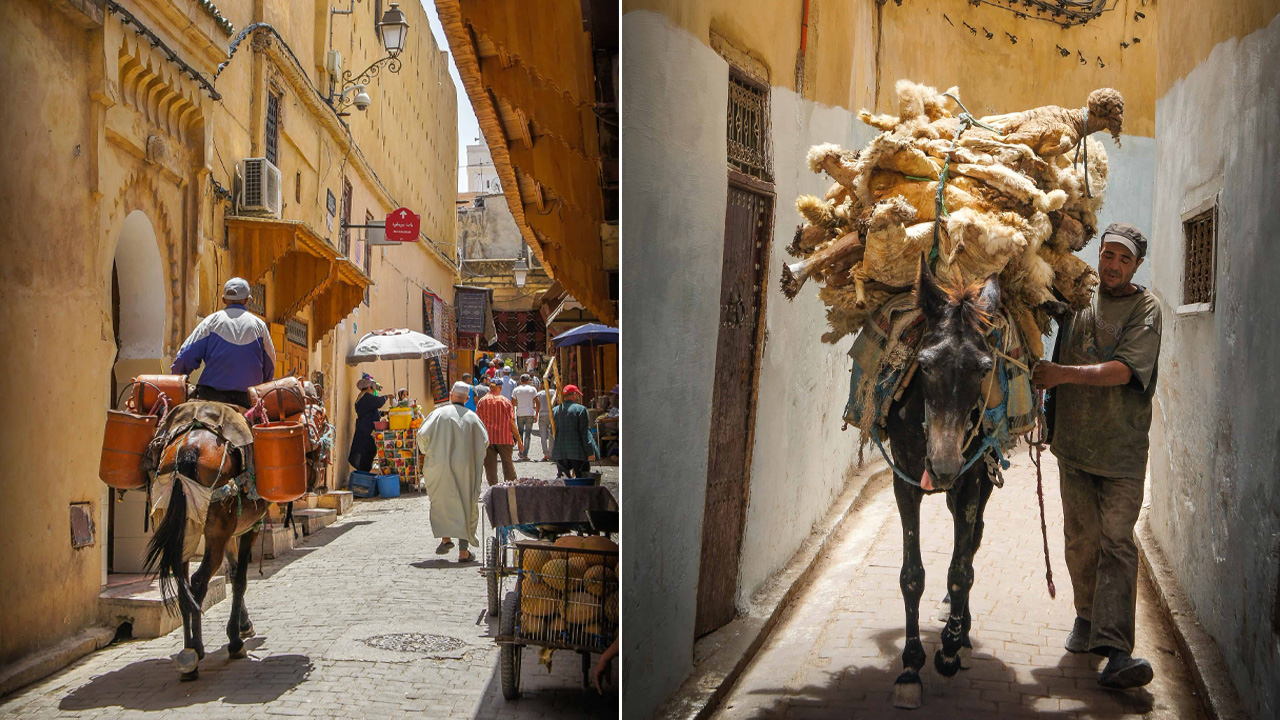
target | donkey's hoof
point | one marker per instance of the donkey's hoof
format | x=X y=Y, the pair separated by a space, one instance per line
x=239 y=653
x=946 y=666
x=247 y=632
x=189 y=676
x=187 y=661
x=907 y=691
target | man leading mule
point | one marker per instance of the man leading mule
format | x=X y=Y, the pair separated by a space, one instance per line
x=1103 y=378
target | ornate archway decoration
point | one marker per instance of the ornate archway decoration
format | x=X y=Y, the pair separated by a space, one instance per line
x=140 y=191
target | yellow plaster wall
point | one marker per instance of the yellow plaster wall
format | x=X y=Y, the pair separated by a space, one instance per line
x=858 y=49
x=54 y=368
x=1195 y=28
x=996 y=76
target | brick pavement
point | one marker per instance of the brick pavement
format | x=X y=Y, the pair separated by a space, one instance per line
x=373 y=572
x=838 y=649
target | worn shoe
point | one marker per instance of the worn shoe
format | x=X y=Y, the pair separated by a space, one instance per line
x=444 y=547
x=1078 y=639
x=1124 y=671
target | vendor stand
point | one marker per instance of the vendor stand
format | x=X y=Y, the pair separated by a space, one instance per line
x=396 y=442
x=561 y=596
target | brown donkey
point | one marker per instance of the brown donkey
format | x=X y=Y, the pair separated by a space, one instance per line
x=230 y=527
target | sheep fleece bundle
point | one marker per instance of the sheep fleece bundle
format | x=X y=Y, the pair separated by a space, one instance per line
x=1019 y=197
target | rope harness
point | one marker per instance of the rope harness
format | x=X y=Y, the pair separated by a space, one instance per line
x=1035 y=446
x=940 y=205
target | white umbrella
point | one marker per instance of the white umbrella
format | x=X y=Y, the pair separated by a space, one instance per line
x=396 y=344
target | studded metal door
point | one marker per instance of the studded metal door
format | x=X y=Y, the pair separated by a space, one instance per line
x=748 y=227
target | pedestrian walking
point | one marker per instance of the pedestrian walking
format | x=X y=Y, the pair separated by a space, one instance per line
x=363 y=449
x=508 y=383
x=453 y=442
x=499 y=419
x=471 y=392
x=574 y=447
x=543 y=401
x=1103 y=378
x=235 y=347
x=526 y=412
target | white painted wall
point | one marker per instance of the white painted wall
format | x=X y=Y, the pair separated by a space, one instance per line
x=674 y=199
x=142 y=289
x=1215 y=502
x=801 y=459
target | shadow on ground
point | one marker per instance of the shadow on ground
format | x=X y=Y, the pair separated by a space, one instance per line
x=559 y=694
x=990 y=688
x=153 y=684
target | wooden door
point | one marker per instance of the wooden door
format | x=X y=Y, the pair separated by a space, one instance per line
x=748 y=227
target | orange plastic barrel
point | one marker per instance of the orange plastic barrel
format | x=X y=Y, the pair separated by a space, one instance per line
x=147 y=390
x=280 y=460
x=281 y=398
x=124 y=441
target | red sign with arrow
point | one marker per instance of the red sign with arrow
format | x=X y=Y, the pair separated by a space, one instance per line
x=403 y=225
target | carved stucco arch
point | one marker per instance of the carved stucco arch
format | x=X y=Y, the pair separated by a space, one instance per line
x=141 y=191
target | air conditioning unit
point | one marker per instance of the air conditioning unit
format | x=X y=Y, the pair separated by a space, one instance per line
x=259 y=187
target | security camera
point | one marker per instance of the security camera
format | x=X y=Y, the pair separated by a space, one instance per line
x=361 y=99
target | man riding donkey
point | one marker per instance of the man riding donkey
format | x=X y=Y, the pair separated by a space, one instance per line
x=1103 y=377
x=202 y=460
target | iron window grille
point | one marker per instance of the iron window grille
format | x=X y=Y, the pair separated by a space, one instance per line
x=273 y=127
x=295 y=331
x=257 y=302
x=1201 y=235
x=748 y=128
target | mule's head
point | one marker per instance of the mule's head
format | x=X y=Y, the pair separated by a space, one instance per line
x=954 y=362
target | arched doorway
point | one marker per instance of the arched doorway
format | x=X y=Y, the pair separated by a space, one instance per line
x=139 y=306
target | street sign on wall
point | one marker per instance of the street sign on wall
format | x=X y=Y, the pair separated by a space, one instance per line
x=403 y=225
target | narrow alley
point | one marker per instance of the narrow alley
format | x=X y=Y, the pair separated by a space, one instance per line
x=325 y=614
x=836 y=652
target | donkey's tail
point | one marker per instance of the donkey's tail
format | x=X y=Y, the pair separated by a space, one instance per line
x=164 y=550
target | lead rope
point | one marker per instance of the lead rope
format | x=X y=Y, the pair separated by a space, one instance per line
x=1035 y=446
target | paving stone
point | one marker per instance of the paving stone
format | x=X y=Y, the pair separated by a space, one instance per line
x=842 y=662
x=373 y=569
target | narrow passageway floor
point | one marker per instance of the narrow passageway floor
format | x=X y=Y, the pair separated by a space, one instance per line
x=331 y=619
x=837 y=651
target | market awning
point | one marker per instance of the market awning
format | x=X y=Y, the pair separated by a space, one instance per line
x=530 y=70
x=304 y=263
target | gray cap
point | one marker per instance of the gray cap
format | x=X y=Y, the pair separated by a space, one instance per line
x=506 y=371
x=1125 y=231
x=236 y=290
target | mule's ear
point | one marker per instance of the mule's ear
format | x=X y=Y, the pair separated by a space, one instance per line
x=989 y=298
x=929 y=297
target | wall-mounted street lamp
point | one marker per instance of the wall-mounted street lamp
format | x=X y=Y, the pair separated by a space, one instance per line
x=394 y=30
x=521 y=269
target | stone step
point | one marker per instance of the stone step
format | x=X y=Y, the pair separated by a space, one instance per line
x=340 y=500
x=275 y=541
x=136 y=599
x=313 y=521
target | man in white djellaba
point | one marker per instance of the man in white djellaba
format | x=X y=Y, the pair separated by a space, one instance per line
x=453 y=442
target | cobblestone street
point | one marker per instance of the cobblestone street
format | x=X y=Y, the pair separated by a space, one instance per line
x=836 y=652
x=373 y=573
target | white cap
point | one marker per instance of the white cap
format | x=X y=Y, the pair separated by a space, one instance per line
x=236 y=290
x=460 y=390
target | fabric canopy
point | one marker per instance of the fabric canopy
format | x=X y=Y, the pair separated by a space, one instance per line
x=589 y=334
x=396 y=344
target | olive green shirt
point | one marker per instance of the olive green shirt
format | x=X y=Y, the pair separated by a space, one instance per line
x=1104 y=430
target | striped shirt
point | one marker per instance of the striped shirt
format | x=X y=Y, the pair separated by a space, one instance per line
x=497 y=414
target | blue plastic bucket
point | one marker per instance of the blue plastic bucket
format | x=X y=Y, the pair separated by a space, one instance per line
x=362 y=484
x=389 y=485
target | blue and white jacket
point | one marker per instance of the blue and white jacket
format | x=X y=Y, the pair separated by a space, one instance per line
x=235 y=347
